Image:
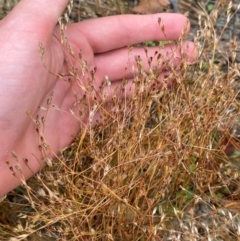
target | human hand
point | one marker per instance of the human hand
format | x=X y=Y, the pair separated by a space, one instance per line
x=26 y=84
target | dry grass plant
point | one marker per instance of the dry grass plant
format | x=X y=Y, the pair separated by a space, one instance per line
x=154 y=160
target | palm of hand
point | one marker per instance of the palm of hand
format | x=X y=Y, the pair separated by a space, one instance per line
x=29 y=85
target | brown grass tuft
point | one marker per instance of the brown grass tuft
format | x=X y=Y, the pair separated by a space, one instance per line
x=155 y=169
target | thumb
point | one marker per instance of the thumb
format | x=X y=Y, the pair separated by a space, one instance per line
x=36 y=15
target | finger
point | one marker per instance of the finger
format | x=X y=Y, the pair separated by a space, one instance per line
x=118 y=92
x=122 y=89
x=39 y=15
x=105 y=34
x=124 y=62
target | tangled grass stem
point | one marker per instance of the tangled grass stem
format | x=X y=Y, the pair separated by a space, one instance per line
x=155 y=169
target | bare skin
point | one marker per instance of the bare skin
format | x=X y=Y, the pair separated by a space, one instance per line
x=26 y=84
